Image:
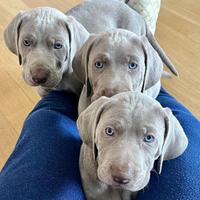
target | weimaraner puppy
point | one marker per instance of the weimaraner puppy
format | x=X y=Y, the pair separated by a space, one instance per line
x=123 y=136
x=46 y=40
x=117 y=61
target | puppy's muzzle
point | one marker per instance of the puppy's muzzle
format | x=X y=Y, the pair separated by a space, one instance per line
x=40 y=75
x=120 y=173
x=108 y=92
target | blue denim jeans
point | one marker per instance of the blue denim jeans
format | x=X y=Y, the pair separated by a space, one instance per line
x=44 y=163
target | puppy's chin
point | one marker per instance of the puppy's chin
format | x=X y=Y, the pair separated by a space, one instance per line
x=97 y=95
x=50 y=83
x=130 y=186
x=133 y=185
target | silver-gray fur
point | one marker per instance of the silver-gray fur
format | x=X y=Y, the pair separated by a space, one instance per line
x=122 y=138
x=46 y=40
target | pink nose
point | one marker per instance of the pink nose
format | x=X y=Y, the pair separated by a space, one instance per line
x=40 y=75
x=120 y=173
x=108 y=92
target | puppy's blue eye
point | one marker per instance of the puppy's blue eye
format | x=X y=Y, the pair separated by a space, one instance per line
x=57 y=45
x=98 y=64
x=109 y=131
x=27 y=43
x=132 y=65
x=149 y=138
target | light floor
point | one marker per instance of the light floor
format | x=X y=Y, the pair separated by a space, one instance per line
x=178 y=32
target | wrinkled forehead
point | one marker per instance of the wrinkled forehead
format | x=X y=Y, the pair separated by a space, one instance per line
x=117 y=116
x=134 y=112
x=45 y=15
x=117 y=44
x=43 y=22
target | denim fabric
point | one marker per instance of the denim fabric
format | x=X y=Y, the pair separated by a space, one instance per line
x=44 y=163
x=180 y=178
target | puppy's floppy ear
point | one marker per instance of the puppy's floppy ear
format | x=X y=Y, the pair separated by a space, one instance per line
x=77 y=35
x=88 y=120
x=153 y=65
x=11 y=34
x=80 y=63
x=175 y=140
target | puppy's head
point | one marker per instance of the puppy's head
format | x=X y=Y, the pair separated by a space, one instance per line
x=117 y=61
x=45 y=41
x=127 y=134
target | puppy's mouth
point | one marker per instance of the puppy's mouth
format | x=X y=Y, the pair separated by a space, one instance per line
x=133 y=186
x=108 y=93
x=130 y=183
x=48 y=82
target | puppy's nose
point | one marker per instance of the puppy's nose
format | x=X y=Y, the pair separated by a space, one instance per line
x=108 y=92
x=120 y=180
x=120 y=173
x=40 y=75
x=103 y=92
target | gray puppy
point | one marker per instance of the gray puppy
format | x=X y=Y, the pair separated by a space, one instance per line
x=122 y=138
x=46 y=40
x=117 y=61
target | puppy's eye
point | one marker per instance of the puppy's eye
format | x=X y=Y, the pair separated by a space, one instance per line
x=149 y=138
x=132 y=65
x=26 y=43
x=98 y=64
x=57 y=45
x=109 y=131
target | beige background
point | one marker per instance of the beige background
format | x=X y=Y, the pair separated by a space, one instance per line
x=178 y=32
